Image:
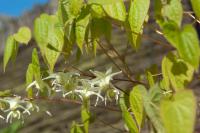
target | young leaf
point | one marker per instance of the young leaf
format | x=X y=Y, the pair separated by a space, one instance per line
x=23 y=35
x=178 y=113
x=188 y=46
x=176 y=72
x=69 y=9
x=185 y=41
x=136 y=18
x=131 y=124
x=102 y=2
x=47 y=32
x=9 y=51
x=151 y=106
x=196 y=7
x=85 y=115
x=81 y=27
x=36 y=64
x=150 y=78
x=173 y=11
x=116 y=10
x=171 y=32
x=137 y=101
x=29 y=79
x=113 y=8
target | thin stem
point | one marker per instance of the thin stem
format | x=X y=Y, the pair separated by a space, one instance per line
x=192 y=16
x=124 y=72
x=122 y=60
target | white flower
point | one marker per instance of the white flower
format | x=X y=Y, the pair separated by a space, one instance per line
x=17 y=107
x=103 y=81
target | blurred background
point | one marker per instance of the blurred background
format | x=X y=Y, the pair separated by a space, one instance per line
x=17 y=13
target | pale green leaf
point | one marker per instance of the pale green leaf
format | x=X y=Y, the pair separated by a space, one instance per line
x=188 y=46
x=102 y=2
x=9 y=51
x=136 y=99
x=23 y=35
x=173 y=11
x=171 y=32
x=69 y=9
x=151 y=106
x=196 y=7
x=185 y=41
x=29 y=79
x=113 y=8
x=176 y=72
x=85 y=115
x=150 y=79
x=136 y=18
x=116 y=10
x=47 y=31
x=178 y=113
x=81 y=27
x=128 y=118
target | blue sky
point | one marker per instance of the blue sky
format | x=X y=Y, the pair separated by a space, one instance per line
x=17 y=7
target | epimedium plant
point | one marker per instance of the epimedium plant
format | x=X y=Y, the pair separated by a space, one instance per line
x=166 y=105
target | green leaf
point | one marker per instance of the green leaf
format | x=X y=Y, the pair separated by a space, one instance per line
x=188 y=46
x=185 y=41
x=10 y=50
x=102 y=2
x=151 y=106
x=113 y=8
x=196 y=7
x=100 y=27
x=85 y=115
x=116 y=10
x=29 y=79
x=176 y=72
x=136 y=18
x=69 y=9
x=81 y=27
x=41 y=31
x=150 y=79
x=23 y=35
x=173 y=11
x=178 y=113
x=47 y=31
x=137 y=101
x=131 y=124
x=171 y=32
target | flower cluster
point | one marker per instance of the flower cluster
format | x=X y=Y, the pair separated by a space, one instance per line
x=72 y=84
x=15 y=107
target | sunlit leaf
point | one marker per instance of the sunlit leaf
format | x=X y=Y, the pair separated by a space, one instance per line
x=136 y=99
x=23 y=35
x=128 y=118
x=196 y=7
x=178 y=113
x=188 y=47
x=173 y=11
x=151 y=106
x=85 y=115
x=29 y=79
x=81 y=26
x=47 y=31
x=9 y=51
x=136 y=18
x=176 y=72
